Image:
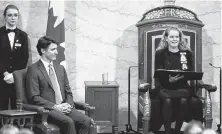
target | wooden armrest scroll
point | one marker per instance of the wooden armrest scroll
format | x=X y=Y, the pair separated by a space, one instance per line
x=143 y=87
x=208 y=87
x=90 y=111
x=80 y=105
x=35 y=108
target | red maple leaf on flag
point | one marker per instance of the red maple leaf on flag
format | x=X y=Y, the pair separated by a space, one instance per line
x=56 y=27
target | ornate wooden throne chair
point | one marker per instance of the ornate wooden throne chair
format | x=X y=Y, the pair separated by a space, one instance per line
x=150 y=30
x=40 y=125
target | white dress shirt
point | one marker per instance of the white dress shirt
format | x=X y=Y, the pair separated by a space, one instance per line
x=11 y=35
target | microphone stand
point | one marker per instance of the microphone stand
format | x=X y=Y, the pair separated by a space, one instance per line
x=142 y=86
x=129 y=126
x=219 y=125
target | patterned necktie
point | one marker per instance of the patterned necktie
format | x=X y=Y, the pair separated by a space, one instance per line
x=52 y=76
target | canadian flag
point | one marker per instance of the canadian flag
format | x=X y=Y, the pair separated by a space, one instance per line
x=56 y=28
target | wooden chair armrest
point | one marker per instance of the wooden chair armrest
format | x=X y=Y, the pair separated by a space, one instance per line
x=89 y=108
x=81 y=105
x=31 y=107
x=201 y=98
x=143 y=87
x=208 y=87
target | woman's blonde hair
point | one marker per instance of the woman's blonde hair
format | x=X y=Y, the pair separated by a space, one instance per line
x=163 y=43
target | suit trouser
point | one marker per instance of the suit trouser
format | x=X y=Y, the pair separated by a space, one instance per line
x=73 y=123
x=7 y=92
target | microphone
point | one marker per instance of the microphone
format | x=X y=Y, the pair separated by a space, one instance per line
x=219 y=125
x=214 y=66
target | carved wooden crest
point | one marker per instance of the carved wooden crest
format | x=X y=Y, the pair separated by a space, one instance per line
x=170 y=11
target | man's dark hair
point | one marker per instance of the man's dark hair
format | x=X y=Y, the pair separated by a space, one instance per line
x=10 y=7
x=44 y=42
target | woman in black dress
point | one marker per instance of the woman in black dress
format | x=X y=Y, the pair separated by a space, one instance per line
x=173 y=54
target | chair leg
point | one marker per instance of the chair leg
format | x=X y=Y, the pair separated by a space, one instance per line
x=93 y=129
x=114 y=130
x=145 y=125
x=42 y=129
x=208 y=122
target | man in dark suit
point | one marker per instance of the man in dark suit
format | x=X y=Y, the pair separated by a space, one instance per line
x=48 y=86
x=13 y=55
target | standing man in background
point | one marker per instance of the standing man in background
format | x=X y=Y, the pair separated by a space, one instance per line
x=48 y=86
x=13 y=55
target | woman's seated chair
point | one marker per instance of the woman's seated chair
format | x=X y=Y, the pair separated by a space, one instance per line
x=40 y=122
x=150 y=109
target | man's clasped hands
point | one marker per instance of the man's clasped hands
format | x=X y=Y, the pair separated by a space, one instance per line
x=64 y=107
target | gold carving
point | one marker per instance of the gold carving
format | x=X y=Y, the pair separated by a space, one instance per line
x=170 y=12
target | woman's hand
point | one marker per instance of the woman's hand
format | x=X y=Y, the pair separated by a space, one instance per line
x=173 y=79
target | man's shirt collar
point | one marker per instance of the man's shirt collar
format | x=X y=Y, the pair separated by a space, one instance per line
x=46 y=64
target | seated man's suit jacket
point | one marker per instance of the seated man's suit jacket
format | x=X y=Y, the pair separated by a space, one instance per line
x=40 y=89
